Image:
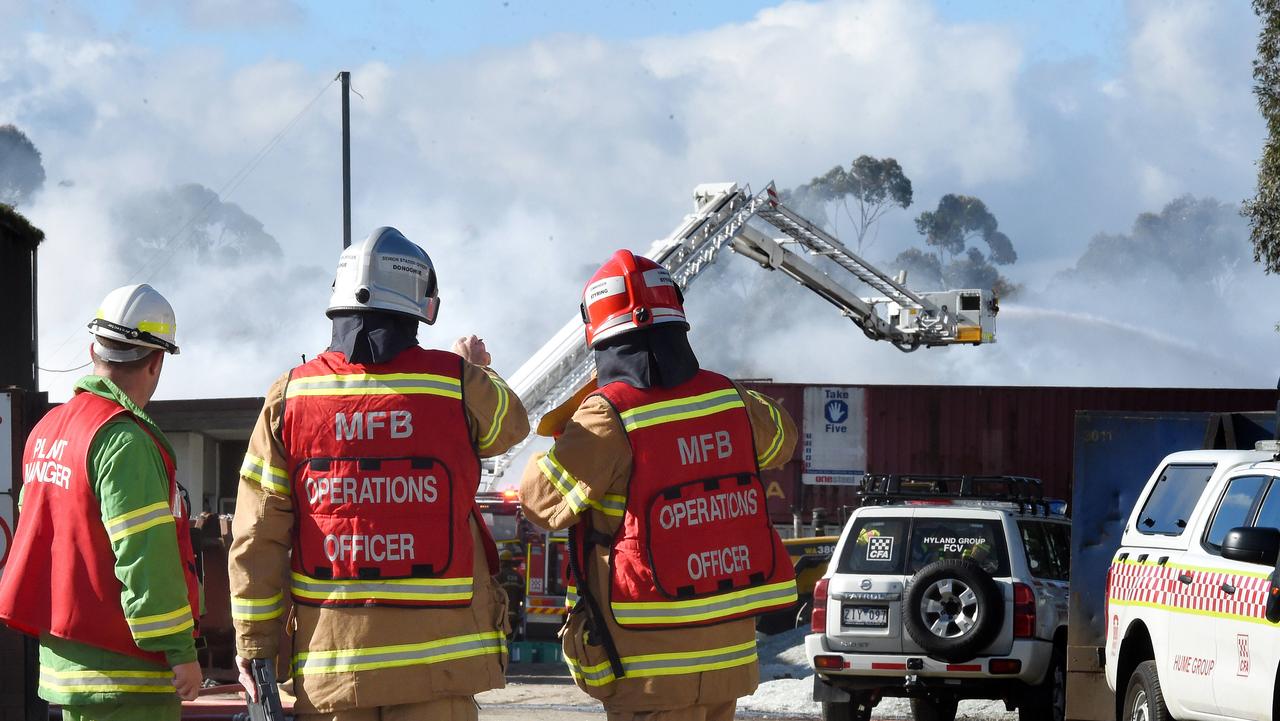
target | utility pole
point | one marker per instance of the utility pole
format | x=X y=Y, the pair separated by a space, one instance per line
x=345 y=77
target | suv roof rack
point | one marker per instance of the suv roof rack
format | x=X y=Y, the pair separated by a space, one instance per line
x=1023 y=491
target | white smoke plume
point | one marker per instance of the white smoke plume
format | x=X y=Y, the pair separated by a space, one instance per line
x=519 y=169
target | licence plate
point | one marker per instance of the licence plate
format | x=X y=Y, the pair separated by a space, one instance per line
x=864 y=616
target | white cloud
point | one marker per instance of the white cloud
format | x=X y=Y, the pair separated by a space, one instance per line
x=232 y=14
x=520 y=169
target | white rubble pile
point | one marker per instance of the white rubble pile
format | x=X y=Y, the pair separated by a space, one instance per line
x=786 y=687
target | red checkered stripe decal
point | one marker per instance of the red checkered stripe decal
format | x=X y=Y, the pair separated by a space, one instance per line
x=1150 y=584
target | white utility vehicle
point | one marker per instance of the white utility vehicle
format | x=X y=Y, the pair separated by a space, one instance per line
x=1192 y=601
x=943 y=589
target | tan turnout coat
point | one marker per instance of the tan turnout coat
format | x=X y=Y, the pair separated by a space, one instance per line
x=695 y=666
x=259 y=571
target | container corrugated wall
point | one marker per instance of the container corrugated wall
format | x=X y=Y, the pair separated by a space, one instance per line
x=1023 y=430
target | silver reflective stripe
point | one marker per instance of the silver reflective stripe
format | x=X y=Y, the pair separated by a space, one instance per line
x=640 y=416
x=138 y=629
x=613 y=504
x=305 y=384
x=374 y=587
x=114 y=680
x=601 y=674
x=257 y=609
x=121 y=681
x=135 y=522
x=403 y=655
x=712 y=605
x=666 y=664
x=643 y=664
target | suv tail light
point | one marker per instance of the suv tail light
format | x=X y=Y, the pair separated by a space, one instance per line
x=818 y=615
x=1024 y=611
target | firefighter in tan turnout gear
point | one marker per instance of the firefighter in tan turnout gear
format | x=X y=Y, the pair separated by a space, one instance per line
x=657 y=476
x=357 y=501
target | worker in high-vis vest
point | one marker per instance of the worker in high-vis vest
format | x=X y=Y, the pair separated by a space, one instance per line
x=657 y=476
x=357 y=502
x=101 y=568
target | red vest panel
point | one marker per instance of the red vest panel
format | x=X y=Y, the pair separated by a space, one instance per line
x=60 y=578
x=696 y=546
x=384 y=482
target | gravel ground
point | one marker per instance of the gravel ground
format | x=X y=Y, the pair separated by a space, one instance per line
x=544 y=692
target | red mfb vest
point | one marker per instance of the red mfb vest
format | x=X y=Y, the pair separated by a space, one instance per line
x=384 y=482
x=695 y=546
x=60 y=578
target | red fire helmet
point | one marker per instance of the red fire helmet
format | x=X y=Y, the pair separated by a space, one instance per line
x=629 y=292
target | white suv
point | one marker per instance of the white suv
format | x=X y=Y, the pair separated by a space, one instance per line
x=1192 y=600
x=942 y=589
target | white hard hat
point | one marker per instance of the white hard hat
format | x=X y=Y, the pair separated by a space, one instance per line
x=386 y=272
x=137 y=315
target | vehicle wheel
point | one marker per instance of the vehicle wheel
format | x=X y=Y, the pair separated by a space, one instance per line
x=1143 y=701
x=953 y=609
x=858 y=709
x=934 y=709
x=1048 y=701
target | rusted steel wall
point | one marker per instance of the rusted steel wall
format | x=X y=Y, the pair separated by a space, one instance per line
x=1023 y=430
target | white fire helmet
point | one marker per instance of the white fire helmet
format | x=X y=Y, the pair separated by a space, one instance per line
x=386 y=272
x=137 y=315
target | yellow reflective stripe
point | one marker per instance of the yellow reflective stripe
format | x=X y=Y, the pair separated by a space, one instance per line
x=666 y=664
x=681 y=409
x=575 y=493
x=161 y=624
x=564 y=482
x=409 y=654
x=257 y=609
x=365 y=384
x=267 y=475
x=114 y=681
x=139 y=520
x=614 y=504
x=775 y=445
x=703 y=609
x=148 y=326
x=1192 y=611
x=499 y=413
x=399 y=589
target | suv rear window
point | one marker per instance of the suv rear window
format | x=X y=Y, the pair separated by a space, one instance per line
x=876 y=545
x=1173 y=499
x=935 y=539
x=1042 y=542
x=880 y=545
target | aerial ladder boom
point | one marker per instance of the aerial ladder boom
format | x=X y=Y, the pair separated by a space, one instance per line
x=761 y=228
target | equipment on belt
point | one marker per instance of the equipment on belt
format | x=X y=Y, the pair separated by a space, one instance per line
x=387 y=272
x=137 y=315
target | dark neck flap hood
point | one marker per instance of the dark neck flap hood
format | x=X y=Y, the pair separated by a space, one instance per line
x=656 y=357
x=365 y=337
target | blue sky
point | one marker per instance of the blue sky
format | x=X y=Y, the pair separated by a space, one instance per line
x=331 y=34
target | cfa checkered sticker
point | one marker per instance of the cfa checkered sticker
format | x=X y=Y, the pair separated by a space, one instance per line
x=880 y=548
